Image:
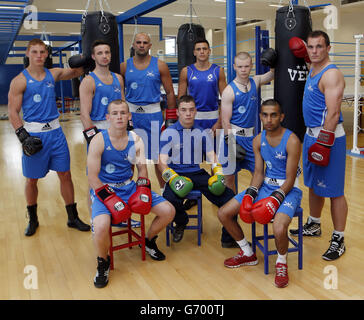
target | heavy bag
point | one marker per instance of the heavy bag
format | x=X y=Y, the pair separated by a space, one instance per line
x=291 y=72
x=48 y=63
x=187 y=35
x=99 y=25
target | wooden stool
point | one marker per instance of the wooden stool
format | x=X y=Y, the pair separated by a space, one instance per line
x=140 y=239
x=193 y=195
x=297 y=245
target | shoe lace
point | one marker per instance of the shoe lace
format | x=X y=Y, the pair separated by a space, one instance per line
x=334 y=245
x=239 y=255
x=281 y=271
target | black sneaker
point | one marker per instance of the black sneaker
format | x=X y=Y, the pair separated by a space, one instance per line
x=152 y=249
x=178 y=232
x=336 y=249
x=102 y=275
x=188 y=204
x=310 y=229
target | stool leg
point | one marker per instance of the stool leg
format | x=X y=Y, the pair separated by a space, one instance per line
x=111 y=251
x=142 y=234
x=199 y=221
x=254 y=240
x=266 y=256
x=300 y=241
x=129 y=232
x=168 y=230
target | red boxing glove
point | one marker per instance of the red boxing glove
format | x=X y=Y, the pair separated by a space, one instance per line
x=141 y=200
x=319 y=152
x=247 y=204
x=171 y=117
x=264 y=210
x=118 y=208
x=298 y=48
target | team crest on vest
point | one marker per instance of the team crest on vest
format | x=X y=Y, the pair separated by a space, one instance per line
x=242 y=109
x=280 y=156
x=210 y=77
x=109 y=168
x=269 y=164
x=105 y=101
x=37 y=98
x=134 y=85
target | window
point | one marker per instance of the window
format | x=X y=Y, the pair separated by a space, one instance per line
x=170 y=45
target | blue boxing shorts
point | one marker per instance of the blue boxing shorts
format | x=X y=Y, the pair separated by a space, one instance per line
x=231 y=166
x=326 y=181
x=147 y=123
x=291 y=202
x=124 y=192
x=54 y=155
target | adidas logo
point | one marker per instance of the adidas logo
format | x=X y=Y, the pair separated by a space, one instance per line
x=108 y=148
x=30 y=81
x=263 y=144
x=194 y=78
x=46 y=127
x=140 y=110
x=99 y=85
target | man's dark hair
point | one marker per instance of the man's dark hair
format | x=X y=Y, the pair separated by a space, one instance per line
x=319 y=33
x=185 y=99
x=272 y=102
x=200 y=41
x=99 y=43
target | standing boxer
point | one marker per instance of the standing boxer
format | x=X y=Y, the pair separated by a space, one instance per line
x=112 y=153
x=143 y=75
x=324 y=145
x=182 y=147
x=273 y=192
x=204 y=81
x=239 y=109
x=44 y=144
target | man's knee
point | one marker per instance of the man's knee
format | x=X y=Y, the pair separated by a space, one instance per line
x=165 y=210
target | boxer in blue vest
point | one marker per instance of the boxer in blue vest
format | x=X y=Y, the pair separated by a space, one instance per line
x=44 y=144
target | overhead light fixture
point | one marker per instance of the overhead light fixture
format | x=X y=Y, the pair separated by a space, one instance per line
x=240 y=19
x=71 y=10
x=184 y=15
x=276 y=5
x=12 y=8
x=239 y=2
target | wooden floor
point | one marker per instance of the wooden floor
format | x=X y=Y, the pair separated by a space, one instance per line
x=65 y=260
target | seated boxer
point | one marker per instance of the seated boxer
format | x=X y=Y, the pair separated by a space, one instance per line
x=181 y=152
x=111 y=155
x=273 y=191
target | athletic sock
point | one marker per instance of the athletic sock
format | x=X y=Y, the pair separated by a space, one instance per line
x=313 y=219
x=244 y=245
x=282 y=258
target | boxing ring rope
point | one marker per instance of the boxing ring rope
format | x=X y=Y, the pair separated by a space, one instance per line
x=357 y=112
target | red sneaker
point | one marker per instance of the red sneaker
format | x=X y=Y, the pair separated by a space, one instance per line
x=241 y=260
x=281 y=279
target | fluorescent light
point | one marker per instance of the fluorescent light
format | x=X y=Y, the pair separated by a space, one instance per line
x=71 y=10
x=276 y=5
x=240 y=19
x=120 y=11
x=12 y=8
x=184 y=15
x=240 y=2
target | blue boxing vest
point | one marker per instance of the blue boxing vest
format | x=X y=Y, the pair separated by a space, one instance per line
x=275 y=158
x=104 y=94
x=142 y=87
x=245 y=106
x=39 y=99
x=116 y=164
x=203 y=86
x=313 y=105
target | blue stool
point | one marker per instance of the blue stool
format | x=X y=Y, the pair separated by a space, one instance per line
x=297 y=245
x=193 y=195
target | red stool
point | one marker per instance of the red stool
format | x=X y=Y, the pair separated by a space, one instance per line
x=139 y=239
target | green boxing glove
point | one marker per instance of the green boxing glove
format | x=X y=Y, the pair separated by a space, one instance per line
x=180 y=185
x=216 y=183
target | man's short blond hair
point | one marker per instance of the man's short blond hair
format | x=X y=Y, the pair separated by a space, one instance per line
x=242 y=55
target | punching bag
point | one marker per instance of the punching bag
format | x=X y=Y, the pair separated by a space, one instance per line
x=291 y=72
x=187 y=35
x=75 y=82
x=101 y=25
